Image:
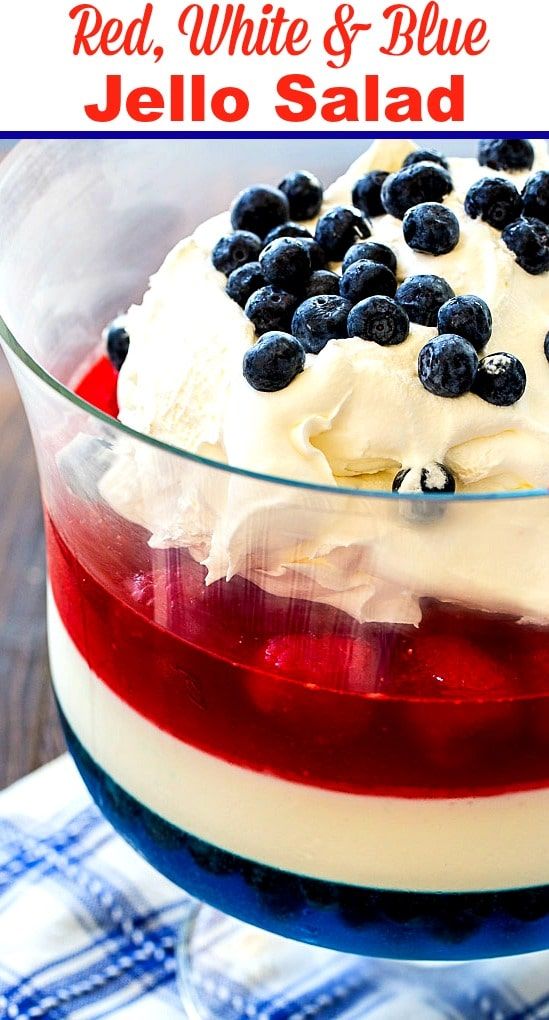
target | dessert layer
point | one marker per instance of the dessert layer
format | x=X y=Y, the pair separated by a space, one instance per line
x=358 y=409
x=457 y=707
x=352 y=418
x=445 y=844
x=424 y=926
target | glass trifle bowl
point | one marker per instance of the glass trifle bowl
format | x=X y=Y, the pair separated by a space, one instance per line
x=320 y=709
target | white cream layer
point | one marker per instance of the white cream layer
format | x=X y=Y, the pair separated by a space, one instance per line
x=455 y=845
x=354 y=416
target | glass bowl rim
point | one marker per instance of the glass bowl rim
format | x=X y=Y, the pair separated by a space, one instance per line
x=69 y=395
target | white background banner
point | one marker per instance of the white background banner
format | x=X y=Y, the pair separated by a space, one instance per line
x=305 y=65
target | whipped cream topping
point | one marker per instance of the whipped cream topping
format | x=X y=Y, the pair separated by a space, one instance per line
x=353 y=418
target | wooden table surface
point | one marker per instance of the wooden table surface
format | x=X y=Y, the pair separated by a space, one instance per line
x=29 y=732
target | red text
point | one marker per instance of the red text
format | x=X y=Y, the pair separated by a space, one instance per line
x=110 y=36
x=229 y=27
x=431 y=33
x=186 y=99
x=345 y=104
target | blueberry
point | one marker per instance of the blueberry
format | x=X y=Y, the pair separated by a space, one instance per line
x=316 y=252
x=422 y=297
x=320 y=319
x=447 y=365
x=360 y=908
x=279 y=893
x=506 y=153
x=286 y=264
x=432 y=479
x=367 y=193
x=495 y=200
x=243 y=282
x=535 y=196
x=322 y=282
x=117 y=340
x=364 y=278
x=546 y=346
x=273 y=362
x=236 y=250
x=527 y=904
x=528 y=239
x=270 y=309
x=286 y=230
x=210 y=858
x=426 y=156
x=431 y=228
x=423 y=182
x=259 y=209
x=379 y=319
x=372 y=250
x=304 y=193
x=339 y=229
x=500 y=379
x=469 y=317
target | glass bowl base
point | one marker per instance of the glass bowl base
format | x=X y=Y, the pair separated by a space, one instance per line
x=228 y=970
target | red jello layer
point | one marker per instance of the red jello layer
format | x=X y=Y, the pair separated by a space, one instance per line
x=456 y=707
x=379 y=727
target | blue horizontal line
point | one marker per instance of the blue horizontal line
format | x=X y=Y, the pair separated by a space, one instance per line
x=272 y=134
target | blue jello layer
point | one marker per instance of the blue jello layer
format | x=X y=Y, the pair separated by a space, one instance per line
x=370 y=922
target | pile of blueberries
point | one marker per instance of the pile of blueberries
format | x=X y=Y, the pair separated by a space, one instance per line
x=277 y=272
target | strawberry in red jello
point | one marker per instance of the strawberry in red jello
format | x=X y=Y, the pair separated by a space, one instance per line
x=298 y=674
x=330 y=661
x=531 y=659
x=459 y=694
x=448 y=666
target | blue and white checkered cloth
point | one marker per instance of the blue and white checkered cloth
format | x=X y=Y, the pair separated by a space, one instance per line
x=88 y=930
